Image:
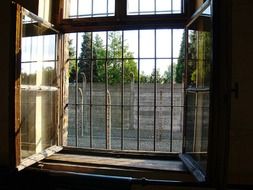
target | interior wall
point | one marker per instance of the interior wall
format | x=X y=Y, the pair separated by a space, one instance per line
x=5 y=76
x=4 y=86
x=241 y=131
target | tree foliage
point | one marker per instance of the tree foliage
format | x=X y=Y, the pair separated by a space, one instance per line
x=96 y=57
x=198 y=60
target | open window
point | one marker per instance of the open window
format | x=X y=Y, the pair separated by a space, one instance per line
x=198 y=91
x=132 y=81
x=37 y=88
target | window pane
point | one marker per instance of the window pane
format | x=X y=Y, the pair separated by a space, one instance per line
x=163 y=43
x=38 y=88
x=85 y=8
x=163 y=128
x=144 y=7
x=178 y=43
x=176 y=7
x=131 y=44
x=89 y=8
x=147 y=47
x=132 y=7
x=163 y=7
x=147 y=6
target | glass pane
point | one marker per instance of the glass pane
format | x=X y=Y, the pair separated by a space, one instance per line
x=115 y=82
x=163 y=128
x=39 y=89
x=177 y=129
x=163 y=43
x=89 y=8
x=145 y=7
x=39 y=120
x=198 y=83
x=147 y=47
x=176 y=6
x=178 y=43
x=147 y=128
x=115 y=44
x=99 y=45
x=131 y=44
x=147 y=80
x=99 y=126
x=85 y=8
x=115 y=126
x=163 y=7
x=132 y=7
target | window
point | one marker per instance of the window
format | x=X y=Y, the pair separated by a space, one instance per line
x=123 y=92
x=145 y=7
x=37 y=88
x=106 y=8
x=136 y=83
x=89 y=8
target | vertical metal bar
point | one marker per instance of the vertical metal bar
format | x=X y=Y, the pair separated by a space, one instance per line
x=76 y=95
x=106 y=91
x=155 y=91
x=185 y=93
x=91 y=94
x=138 y=94
x=92 y=8
x=183 y=6
x=122 y=92
x=77 y=10
x=107 y=8
x=172 y=11
x=139 y=7
x=171 y=95
x=155 y=6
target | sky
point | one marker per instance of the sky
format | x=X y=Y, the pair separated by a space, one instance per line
x=46 y=49
x=147 y=47
x=84 y=8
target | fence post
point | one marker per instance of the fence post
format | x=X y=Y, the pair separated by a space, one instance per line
x=84 y=129
x=108 y=120
x=131 y=114
x=160 y=117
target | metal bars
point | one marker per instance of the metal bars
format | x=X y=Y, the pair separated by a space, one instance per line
x=159 y=106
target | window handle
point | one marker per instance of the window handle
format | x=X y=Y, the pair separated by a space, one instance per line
x=235 y=90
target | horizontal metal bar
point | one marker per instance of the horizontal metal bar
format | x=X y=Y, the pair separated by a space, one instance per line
x=125 y=58
x=39 y=88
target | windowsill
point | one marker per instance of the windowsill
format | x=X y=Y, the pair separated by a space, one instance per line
x=143 y=165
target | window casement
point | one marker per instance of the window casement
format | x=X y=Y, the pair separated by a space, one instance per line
x=37 y=88
x=127 y=75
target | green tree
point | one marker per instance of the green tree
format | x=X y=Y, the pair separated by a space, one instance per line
x=72 y=62
x=95 y=55
x=181 y=61
x=86 y=59
x=115 y=66
x=168 y=77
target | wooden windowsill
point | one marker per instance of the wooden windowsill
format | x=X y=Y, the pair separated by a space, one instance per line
x=159 y=169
